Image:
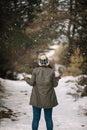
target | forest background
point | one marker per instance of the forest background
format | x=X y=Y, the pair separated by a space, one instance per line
x=28 y=27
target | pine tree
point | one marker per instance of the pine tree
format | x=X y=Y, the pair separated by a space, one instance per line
x=76 y=60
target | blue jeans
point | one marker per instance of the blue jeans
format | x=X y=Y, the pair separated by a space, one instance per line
x=37 y=115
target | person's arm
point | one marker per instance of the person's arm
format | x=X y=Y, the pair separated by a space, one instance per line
x=55 y=81
x=31 y=80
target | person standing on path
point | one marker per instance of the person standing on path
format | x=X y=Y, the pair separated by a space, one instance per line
x=43 y=94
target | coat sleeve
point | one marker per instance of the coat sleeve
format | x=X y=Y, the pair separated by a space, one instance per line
x=32 y=80
x=55 y=81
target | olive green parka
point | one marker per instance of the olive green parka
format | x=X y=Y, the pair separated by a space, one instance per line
x=43 y=81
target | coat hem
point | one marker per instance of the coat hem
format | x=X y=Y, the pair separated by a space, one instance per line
x=44 y=107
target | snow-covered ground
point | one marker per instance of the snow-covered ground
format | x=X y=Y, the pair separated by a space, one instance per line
x=68 y=115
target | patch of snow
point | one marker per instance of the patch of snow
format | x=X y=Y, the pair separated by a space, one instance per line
x=51 y=52
x=61 y=39
x=69 y=114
